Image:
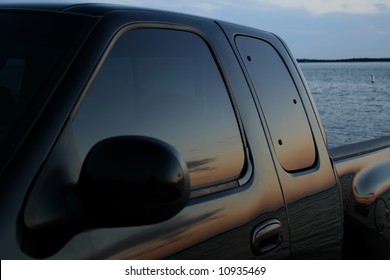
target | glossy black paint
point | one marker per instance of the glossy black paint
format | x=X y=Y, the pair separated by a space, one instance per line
x=217 y=224
x=305 y=188
x=364 y=178
x=130 y=181
x=222 y=247
x=178 y=233
x=124 y=181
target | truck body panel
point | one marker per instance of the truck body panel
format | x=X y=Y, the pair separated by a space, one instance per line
x=233 y=108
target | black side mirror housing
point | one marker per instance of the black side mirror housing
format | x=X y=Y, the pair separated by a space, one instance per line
x=129 y=181
x=124 y=181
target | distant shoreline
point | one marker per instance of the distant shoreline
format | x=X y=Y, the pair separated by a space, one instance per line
x=305 y=60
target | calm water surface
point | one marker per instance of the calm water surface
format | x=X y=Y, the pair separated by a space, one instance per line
x=352 y=107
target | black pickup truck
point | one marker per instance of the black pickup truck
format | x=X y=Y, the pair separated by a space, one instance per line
x=140 y=134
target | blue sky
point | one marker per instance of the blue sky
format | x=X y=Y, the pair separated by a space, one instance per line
x=312 y=28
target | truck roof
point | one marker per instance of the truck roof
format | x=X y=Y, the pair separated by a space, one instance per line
x=92 y=9
x=101 y=9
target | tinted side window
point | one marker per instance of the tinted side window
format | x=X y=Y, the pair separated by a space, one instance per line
x=165 y=84
x=32 y=48
x=285 y=115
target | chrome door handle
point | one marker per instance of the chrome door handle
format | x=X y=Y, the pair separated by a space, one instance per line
x=266 y=237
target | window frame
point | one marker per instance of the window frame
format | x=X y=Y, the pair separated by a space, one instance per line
x=247 y=169
x=257 y=94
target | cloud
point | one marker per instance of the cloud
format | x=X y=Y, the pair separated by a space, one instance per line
x=374 y=30
x=201 y=7
x=205 y=6
x=321 y=7
x=314 y=7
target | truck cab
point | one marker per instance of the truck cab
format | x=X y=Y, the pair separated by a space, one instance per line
x=141 y=134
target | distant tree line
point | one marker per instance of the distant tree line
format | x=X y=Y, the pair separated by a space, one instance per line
x=364 y=59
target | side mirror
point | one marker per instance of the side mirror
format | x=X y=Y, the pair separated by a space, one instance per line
x=129 y=181
x=124 y=181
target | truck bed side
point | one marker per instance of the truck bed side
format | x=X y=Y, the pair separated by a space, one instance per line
x=363 y=170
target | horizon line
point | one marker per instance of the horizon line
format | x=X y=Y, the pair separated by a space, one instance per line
x=359 y=59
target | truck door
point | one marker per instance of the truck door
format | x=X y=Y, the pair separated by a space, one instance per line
x=176 y=79
x=306 y=174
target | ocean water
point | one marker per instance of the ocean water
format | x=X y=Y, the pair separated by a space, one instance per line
x=351 y=106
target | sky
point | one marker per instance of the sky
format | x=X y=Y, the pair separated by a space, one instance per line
x=316 y=29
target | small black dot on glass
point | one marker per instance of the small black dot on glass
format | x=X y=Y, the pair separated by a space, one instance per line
x=280 y=142
x=249 y=58
x=295 y=101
